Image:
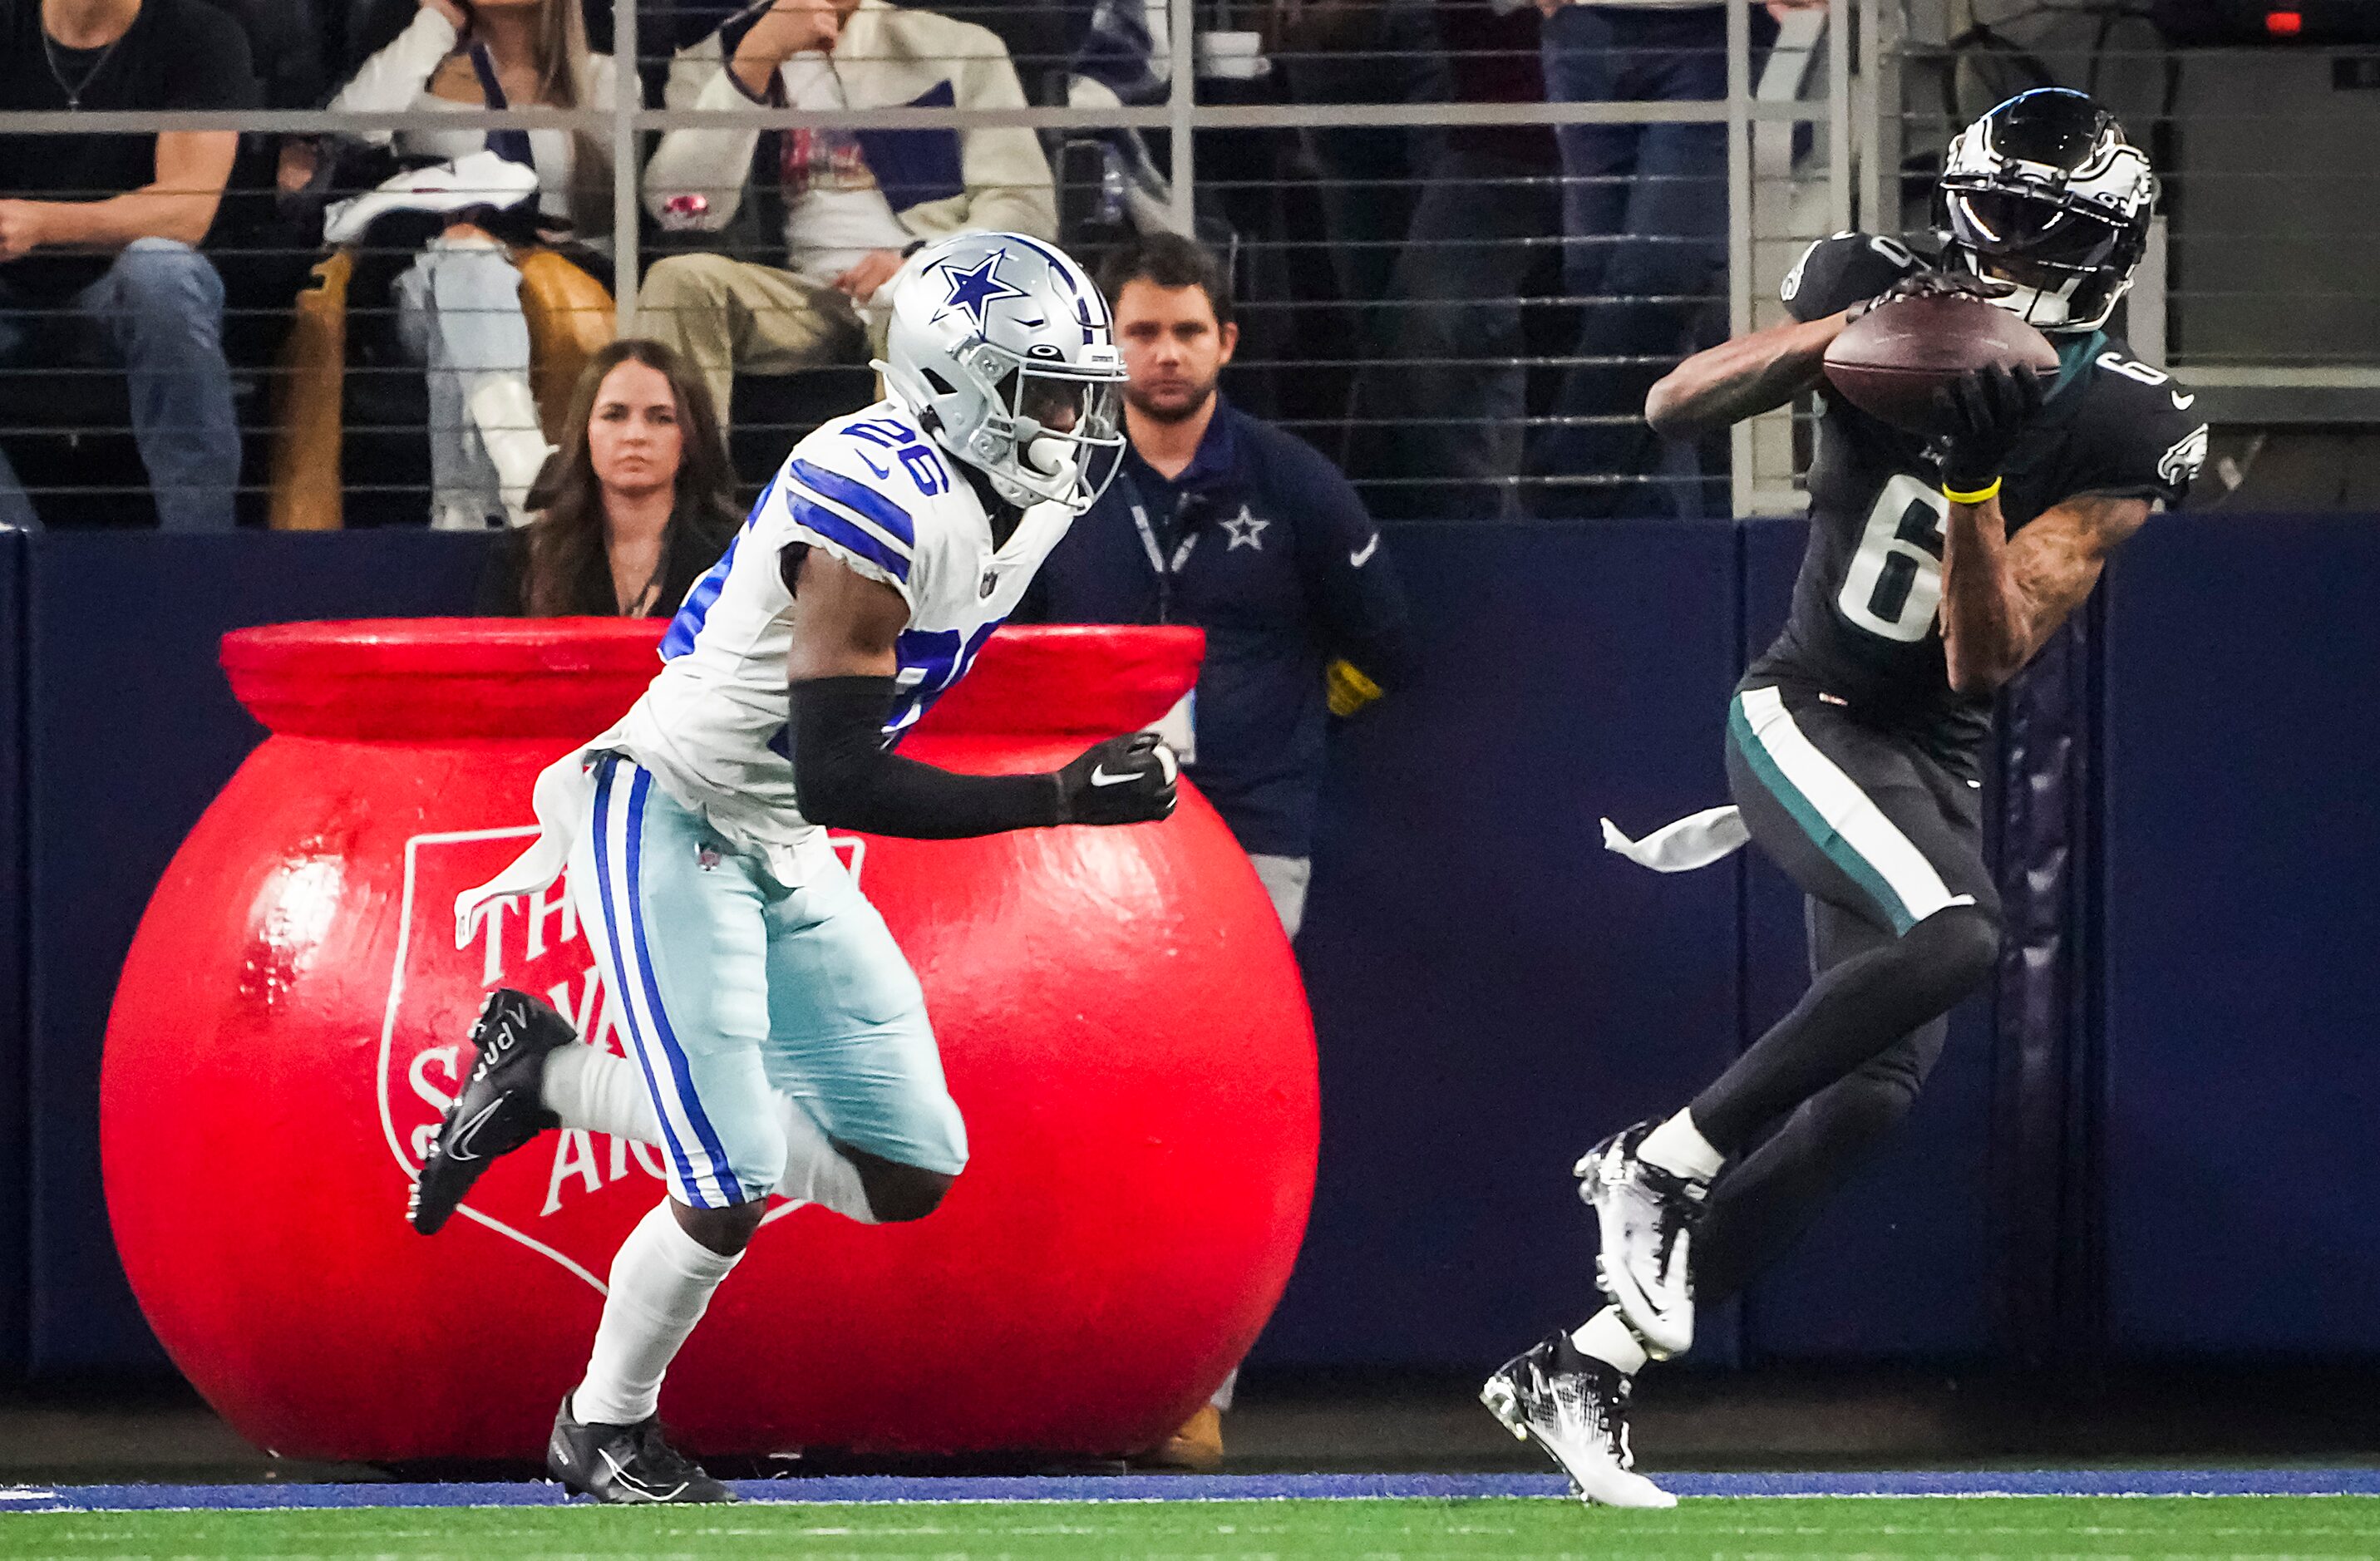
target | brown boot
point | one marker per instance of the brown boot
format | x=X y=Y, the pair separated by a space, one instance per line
x=1197 y=1449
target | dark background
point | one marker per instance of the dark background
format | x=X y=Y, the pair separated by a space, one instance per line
x=2173 y=1163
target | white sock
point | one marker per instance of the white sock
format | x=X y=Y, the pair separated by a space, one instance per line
x=588 y=1087
x=661 y=1282
x=1679 y=1148
x=816 y=1171
x=1606 y=1338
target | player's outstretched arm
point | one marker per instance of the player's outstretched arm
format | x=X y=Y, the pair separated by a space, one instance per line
x=1752 y=374
x=1740 y=379
x=840 y=672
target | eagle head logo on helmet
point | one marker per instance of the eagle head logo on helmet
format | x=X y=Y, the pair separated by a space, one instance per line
x=1003 y=348
x=2045 y=193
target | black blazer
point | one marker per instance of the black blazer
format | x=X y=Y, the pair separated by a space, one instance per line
x=688 y=551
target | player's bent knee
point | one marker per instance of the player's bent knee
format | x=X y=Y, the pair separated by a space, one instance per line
x=1960 y=945
x=726 y=1231
x=1869 y=1105
x=898 y=1194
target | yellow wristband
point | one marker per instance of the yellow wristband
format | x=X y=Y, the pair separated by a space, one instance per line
x=1979 y=496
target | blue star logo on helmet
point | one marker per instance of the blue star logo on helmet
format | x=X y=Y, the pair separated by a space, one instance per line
x=976 y=289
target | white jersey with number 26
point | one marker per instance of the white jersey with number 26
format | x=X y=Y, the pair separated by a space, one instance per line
x=873 y=491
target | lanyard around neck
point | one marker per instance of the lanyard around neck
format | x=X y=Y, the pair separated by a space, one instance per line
x=1159 y=565
x=513 y=146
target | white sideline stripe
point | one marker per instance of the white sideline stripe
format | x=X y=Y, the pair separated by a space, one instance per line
x=620 y=892
x=706 y=1169
x=1847 y=810
x=618 y=896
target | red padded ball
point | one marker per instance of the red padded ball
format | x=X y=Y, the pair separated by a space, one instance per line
x=1119 y=1017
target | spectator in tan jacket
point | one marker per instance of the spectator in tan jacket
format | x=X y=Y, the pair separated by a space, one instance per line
x=815 y=220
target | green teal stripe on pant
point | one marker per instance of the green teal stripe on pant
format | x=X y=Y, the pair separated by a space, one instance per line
x=1823 y=835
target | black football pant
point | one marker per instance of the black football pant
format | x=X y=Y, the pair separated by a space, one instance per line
x=1887 y=844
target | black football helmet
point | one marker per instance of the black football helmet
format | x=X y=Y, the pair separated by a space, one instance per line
x=2044 y=193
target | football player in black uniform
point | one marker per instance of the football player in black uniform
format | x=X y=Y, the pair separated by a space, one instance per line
x=1936 y=569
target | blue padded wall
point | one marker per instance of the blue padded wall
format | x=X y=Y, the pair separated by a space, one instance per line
x=2242 y=1007
x=136 y=731
x=16 y=1158
x=1493 y=990
x=1897 y=1265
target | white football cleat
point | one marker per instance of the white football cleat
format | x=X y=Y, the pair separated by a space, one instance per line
x=1646 y=1217
x=1576 y=1409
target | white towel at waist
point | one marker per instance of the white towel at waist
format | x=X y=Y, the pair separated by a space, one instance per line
x=1712 y=835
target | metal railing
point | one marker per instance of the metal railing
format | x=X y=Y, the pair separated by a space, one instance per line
x=1316 y=346
x=1829 y=126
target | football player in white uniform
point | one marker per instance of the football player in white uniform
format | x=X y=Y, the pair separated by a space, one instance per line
x=778 y=1038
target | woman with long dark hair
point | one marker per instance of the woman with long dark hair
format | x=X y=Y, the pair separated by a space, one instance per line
x=639 y=503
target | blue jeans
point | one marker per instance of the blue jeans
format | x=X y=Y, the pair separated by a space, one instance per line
x=158 y=314
x=1454 y=391
x=458 y=315
x=1645 y=214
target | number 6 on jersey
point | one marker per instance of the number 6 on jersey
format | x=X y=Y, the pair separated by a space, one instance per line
x=1895 y=580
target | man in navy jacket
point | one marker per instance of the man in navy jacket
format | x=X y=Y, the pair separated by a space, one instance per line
x=1218 y=519
x=1222 y=520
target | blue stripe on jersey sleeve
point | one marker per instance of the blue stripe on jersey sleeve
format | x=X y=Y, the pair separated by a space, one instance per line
x=859 y=497
x=844 y=532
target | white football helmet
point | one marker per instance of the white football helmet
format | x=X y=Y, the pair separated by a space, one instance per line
x=1005 y=351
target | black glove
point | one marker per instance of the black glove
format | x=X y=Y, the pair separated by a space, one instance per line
x=1984 y=414
x=1122 y=781
x=1936 y=284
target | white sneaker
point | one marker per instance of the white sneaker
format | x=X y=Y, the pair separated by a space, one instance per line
x=1576 y=1409
x=477 y=179
x=1646 y=1217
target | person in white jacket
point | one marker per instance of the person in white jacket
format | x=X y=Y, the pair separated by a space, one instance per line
x=818 y=221
x=458 y=304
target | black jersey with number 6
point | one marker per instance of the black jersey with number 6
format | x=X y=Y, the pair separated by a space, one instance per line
x=1863 y=627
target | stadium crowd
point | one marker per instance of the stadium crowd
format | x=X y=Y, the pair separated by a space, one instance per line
x=1463 y=317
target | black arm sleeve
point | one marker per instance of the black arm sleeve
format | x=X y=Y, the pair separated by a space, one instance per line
x=846 y=780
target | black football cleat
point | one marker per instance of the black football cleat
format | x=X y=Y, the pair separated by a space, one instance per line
x=1576 y=1409
x=500 y=1106
x=631 y=1465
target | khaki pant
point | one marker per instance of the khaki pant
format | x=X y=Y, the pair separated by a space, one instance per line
x=726 y=315
x=1285 y=879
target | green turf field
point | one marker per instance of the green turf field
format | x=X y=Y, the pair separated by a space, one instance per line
x=1505 y=1529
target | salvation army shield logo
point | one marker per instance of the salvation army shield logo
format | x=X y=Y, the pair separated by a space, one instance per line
x=569 y=1195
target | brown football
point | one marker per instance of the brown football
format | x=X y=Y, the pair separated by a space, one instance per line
x=1890 y=362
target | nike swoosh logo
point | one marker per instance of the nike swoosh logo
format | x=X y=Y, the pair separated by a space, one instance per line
x=1101 y=777
x=1362 y=555
x=459 y=1148
x=2181 y=403
x=622 y=1477
x=883 y=473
